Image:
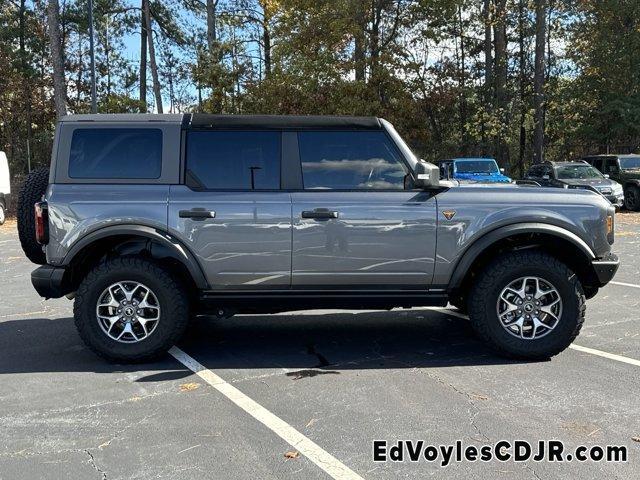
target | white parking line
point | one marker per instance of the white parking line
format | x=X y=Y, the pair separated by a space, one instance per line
x=573 y=346
x=610 y=356
x=327 y=462
x=622 y=284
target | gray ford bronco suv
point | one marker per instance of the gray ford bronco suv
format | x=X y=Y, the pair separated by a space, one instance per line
x=148 y=220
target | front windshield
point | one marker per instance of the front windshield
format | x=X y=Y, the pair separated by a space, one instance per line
x=477 y=166
x=582 y=172
x=630 y=163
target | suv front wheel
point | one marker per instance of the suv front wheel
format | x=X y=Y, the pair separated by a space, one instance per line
x=632 y=198
x=130 y=310
x=527 y=305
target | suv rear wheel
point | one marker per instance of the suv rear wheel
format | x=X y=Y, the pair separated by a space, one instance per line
x=527 y=305
x=632 y=198
x=130 y=310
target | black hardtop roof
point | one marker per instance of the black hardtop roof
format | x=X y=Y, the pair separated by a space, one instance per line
x=619 y=155
x=566 y=162
x=204 y=120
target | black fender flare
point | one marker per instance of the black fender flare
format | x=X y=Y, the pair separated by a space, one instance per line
x=183 y=254
x=477 y=247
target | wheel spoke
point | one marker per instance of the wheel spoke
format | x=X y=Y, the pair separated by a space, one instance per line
x=112 y=303
x=536 y=325
x=145 y=304
x=143 y=324
x=548 y=309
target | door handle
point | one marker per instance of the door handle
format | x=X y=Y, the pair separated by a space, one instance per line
x=320 y=214
x=197 y=214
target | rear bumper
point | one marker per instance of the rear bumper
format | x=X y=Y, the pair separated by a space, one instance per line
x=48 y=281
x=605 y=268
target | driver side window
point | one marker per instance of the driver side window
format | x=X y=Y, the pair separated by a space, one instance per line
x=350 y=160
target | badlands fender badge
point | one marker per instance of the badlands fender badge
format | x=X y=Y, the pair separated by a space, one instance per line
x=449 y=214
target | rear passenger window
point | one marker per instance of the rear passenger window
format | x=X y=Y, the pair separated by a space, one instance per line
x=350 y=161
x=116 y=153
x=233 y=160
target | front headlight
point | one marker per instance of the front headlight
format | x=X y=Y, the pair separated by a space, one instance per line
x=617 y=190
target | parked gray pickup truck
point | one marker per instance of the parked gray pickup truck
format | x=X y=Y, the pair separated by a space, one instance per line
x=148 y=220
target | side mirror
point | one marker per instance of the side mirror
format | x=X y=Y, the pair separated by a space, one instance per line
x=546 y=177
x=606 y=175
x=502 y=170
x=426 y=175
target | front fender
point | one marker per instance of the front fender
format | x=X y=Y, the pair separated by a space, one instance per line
x=476 y=248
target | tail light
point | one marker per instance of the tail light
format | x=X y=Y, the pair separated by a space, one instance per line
x=42 y=223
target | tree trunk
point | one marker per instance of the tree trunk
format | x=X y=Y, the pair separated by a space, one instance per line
x=523 y=106
x=212 y=33
x=500 y=35
x=462 y=85
x=266 y=40
x=26 y=81
x=488 y=56
x=538 y=82
x=152 y=59
x=488 y=70
x=143 y=57
x=500 y=74
x=59 y=87
x=359 y=57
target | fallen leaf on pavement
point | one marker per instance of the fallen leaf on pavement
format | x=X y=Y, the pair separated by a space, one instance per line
x=292 y=454
x=187 y=387
x=636 y=439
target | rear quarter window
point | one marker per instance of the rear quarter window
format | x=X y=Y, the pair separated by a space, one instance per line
x=116 y=153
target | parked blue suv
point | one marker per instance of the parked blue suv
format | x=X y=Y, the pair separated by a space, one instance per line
x=483 y=170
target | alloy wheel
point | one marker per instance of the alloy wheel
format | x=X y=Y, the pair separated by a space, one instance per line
x=128 y=311
x=529 y=308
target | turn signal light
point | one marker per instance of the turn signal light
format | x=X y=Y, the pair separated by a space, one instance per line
x=610 y=229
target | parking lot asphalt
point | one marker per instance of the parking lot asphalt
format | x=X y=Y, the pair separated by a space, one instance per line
x=340 y=378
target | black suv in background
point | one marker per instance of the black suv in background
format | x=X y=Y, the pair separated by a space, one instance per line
x=624 y=169
x=576 y=175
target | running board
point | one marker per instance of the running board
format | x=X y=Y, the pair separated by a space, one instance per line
x=270 y=301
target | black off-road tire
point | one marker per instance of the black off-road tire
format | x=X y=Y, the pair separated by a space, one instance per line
x=171 y=295
x=632 y=198
x=34 y=187
x=508 y=268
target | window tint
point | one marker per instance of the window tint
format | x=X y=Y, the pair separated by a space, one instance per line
x=234 y=160
x=117 y=153
x=350 y=160
x=598 y=163
x=612 y=164
x=535 y=171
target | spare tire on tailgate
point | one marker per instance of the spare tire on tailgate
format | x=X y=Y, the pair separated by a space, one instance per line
x=32 y=191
